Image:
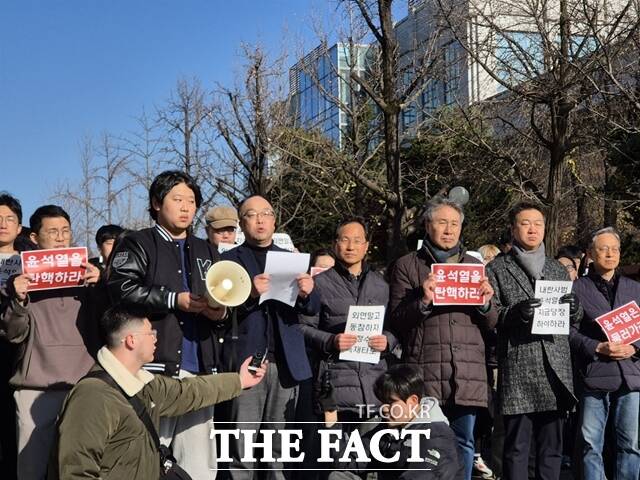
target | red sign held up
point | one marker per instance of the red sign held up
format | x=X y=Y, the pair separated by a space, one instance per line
x=622 y=325
x=458 y=283
x=54 y=268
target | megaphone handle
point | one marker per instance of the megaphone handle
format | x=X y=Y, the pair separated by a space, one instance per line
x=233 y=361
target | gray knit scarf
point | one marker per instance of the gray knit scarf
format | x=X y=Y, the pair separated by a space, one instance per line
x=532 y=261
x=443 y=256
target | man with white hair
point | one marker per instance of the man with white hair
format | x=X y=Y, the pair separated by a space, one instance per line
x=444 y=342
x=610 y=372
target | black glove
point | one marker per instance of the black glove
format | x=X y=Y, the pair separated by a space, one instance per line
x=526 y=309
x=326 y=397
x=572 y=300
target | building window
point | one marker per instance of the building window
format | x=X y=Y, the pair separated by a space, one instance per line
x=519 y=57
x=452 y=60
x=429 y=97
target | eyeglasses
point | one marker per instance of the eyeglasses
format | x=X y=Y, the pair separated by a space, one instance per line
x=55 y=233
x=608 y=249
x=252 y=214
x=153 y=332
x=9 y=220
x=346 y=240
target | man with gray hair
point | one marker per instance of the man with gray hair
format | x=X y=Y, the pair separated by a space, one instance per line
x=444 y=342
x=610 y=372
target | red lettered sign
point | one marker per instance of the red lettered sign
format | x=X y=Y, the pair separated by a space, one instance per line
x=621 y=325
x=54 y=268
x=458 y=283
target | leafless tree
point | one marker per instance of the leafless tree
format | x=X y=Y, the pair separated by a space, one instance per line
x=539 y=66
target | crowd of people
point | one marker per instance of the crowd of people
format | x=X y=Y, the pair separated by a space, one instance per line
x=123 y=376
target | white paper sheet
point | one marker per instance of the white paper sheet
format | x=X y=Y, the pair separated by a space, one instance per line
x=284 y=268
x=9 y=265
x=365 y=322
x=553 y=317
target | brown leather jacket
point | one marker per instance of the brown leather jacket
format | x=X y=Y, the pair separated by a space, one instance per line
x=445 y=342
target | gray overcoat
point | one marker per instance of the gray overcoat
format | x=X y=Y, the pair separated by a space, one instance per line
x=534 y=371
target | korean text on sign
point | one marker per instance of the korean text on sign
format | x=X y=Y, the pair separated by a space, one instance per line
x=458 y=283
x=364 y=322
x=621 y=325
x=54 y=268
x=553 y=317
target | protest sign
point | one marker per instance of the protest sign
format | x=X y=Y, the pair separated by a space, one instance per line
x=54 y=268
x=553 y=317
x=365 y=322
x=621 y=325
x=458 y=283
x=223 y=247
x=9 y=265
x=283 y=240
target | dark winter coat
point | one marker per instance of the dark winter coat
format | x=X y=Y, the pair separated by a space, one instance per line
x=145 y=269
x=253 y=318
x=534 y=371
x=338 y=290
x=445 y=342
x=437 y=449
x=599 y=373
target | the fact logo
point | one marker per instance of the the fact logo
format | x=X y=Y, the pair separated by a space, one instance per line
x=335 y=445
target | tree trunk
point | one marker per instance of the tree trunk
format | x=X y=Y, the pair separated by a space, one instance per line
x=554 y=195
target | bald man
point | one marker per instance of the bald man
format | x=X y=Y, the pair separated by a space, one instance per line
x=271 y=327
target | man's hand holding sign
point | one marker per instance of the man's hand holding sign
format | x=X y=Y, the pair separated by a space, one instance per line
x=622 y=328
x=54 y=268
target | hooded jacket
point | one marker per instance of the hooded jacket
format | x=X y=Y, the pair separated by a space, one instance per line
x=439 y=450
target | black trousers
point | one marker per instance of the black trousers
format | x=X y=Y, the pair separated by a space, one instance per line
x=546 y=429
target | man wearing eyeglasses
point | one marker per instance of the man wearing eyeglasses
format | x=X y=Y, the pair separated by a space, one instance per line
x=57 y=334
x=610 y=372
x=350 y=282
x=446 y=342
x=109 y=440
x=269 y=327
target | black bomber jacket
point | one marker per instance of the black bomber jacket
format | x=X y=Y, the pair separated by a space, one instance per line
x=145 y=269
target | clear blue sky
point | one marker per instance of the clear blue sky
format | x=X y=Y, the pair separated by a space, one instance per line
x=70 y=68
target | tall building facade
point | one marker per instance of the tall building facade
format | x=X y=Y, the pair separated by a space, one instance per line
x=320 y=87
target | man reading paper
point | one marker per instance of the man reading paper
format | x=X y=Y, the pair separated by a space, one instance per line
x=268 y=327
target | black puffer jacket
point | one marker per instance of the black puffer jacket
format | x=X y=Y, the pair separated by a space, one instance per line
x=338 y=290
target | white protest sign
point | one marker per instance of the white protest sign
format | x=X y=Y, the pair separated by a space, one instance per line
x=365 y=322
x=10 y=265
x=283 y=269
x=223 y=247
x=552 y=318
x=283 y=240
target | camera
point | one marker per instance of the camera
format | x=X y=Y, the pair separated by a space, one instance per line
x=256 y=361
